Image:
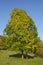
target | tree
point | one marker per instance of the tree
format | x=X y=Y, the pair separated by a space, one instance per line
x=41 y=44
x=3 y=41
x=22 y=31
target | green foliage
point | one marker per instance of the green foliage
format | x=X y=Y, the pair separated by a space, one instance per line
x=22 y=31
x=2 y=40
x=41 y=44
x=1 y=43
x=39 y=52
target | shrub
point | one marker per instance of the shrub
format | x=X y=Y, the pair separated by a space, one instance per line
x=39 y=52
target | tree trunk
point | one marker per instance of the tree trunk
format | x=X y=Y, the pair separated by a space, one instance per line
x=22 y=54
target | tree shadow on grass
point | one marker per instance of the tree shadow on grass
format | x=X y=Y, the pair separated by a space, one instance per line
x=18 y=55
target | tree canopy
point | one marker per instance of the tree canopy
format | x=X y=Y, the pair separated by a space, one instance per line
x=22 y=31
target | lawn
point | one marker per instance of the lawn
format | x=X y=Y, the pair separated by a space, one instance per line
x=6 y=59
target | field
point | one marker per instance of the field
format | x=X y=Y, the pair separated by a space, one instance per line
x=6 y=59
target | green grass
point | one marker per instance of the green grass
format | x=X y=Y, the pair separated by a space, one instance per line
x=6 y=60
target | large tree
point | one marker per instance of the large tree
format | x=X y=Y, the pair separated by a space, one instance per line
x=22 y=31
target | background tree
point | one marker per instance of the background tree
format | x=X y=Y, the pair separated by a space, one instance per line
x=22 y=31
x=1 y=43
x=3 y=40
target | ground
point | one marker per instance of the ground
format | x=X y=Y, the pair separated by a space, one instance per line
x=7 y=58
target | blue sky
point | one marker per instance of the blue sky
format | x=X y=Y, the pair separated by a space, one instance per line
x=34 y=9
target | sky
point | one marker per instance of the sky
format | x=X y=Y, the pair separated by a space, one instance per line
x=34 y=9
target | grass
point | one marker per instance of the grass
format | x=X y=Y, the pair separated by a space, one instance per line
x=5 y=59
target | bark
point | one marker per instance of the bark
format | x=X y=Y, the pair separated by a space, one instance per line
x=22 y=54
